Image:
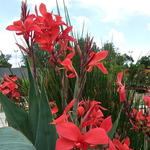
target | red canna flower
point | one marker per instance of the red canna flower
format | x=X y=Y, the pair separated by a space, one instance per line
x=51 y=34
x=8 y=87
x=64 y=117
x=121 y=88
x=93 y=115
x=124 y=145
x=139 y=115
x=71 y=137
x=95 y=58
x=26 y=27
x=147 y=100
x=67 y=63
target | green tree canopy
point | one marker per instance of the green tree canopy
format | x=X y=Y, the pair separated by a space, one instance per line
x=145 y=60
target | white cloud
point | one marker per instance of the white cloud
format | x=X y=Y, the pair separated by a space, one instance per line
x=7 y=42
x=79 y=22
x=81 y=19
x=148 y=26
x=115 y=10
x=8 y=46
x=116 y=36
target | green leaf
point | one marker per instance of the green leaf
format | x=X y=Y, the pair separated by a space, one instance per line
x=11 y=139
x=146 y=143
x=46 y=133
x=115 y=125
x=33 y=104
x=15 y=115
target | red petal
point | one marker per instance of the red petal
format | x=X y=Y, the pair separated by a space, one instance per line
x=102 y=68
x=43 y=9
x=147 y=100
x=6 y=91
x=67 y=30
x=64 y=144
x=60 y=119
x=96 y=136
x=69 y=106
x=122 y=93
x=69 y=131
x=119 y=78
x=118 y=144
x=13 y=28
x=107 y=124
x=67 y=63
x=111 y=145
x=70 y=55
x=81 y=111
x=54 y=110
x=97 y=57
x=127 y=141
x=89 y=69
x=17 y=23
x=100 y=55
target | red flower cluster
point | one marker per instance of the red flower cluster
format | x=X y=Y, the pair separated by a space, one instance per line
x=141 y=121
x=139 y=118
x=92 y=131
x=9 y=87
x=45 y=30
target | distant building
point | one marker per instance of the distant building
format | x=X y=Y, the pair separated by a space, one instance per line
x=19 y=72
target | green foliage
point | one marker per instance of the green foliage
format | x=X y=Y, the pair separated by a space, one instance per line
x=34 y=124
x=115 y=125
x=16 y=116
x=46 y=133
x=14 y=140
x=4 y=60
x=145 y=60
x=138 y=76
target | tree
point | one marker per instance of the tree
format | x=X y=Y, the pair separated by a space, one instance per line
x=115 y=57
x=145 y=60
x=4 y=60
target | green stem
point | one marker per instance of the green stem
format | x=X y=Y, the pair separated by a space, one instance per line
x=146 y=143
x=64 y=91
x=75 y=96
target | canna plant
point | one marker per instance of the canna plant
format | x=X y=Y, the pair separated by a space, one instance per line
x=81 y=124
x=139 y=118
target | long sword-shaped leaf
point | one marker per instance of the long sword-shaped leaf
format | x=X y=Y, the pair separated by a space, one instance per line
x=15 y=115
x=115 y=124
x=46 y=133
x=33 y=104
x=11 y=139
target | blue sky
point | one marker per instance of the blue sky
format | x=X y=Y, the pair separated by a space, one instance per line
x=124 y=22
